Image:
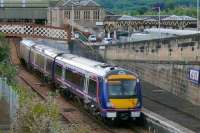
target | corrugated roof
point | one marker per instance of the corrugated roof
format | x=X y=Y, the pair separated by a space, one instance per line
x=174 y=17
x=128 y=18
x=148 y=18
x=34 y=9
x=23 y=13
x=171 y=31
x=27 y=3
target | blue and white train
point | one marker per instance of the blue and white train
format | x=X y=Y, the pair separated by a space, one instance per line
x=110 y=91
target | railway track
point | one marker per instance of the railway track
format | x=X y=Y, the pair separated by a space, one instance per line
x=71 y=113
x=67 y=112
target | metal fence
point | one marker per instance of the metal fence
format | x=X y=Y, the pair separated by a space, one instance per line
x=10 y=96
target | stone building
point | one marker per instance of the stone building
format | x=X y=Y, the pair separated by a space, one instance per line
x=79 y=13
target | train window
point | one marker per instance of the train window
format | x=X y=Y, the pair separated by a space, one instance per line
x=92 y=87
x=40 y=60
x=48 y=66
x=121 y=88
x=75 y=78
x=58 y=70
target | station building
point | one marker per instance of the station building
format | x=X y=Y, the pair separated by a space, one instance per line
x=85 y=13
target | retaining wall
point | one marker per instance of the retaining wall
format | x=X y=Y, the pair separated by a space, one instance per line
x=171 y=77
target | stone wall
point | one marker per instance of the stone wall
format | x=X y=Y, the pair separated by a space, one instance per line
x=57 y=17
x=172 y=77
x=163 y=63
x=183 y=48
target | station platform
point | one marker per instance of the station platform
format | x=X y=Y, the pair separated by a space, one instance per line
x=171 y=107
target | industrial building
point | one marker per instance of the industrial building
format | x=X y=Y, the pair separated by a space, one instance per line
x=28 y=11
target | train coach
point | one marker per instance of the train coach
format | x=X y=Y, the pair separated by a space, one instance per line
x=108 y=91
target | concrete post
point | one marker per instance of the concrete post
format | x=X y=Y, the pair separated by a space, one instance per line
x=11 y=104
x=115 y=34
x=1 y=88
x=108 y=34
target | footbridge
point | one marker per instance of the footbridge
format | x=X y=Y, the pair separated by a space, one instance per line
x=35 y=31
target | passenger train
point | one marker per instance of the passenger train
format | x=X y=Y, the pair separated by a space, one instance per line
x=109 y=91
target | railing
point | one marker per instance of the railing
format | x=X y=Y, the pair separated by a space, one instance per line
x=81 y=36
x=7 y=94
x=79 y=27
x=33 y=30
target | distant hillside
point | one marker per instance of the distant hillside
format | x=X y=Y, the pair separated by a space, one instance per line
x=139 y=7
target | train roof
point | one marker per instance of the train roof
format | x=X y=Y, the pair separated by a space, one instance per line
x=87 y=65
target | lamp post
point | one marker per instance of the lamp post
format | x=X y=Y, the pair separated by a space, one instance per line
x=72 y=16
x=159 y=19
x=72 y=19
x=197 y=15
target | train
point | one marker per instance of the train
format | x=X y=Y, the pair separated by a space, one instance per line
x=111 y=92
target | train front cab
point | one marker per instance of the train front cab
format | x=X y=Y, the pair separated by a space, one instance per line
x=121 y=96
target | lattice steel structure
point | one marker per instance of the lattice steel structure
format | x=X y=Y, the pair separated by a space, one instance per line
x=116 y=22
x=34 y=31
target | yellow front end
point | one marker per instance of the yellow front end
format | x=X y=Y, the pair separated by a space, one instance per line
x=124 y=103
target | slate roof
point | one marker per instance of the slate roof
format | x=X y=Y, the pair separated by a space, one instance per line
x=68 y=3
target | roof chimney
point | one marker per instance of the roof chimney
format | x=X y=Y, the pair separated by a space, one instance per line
x=23 y=3
x=2 y=3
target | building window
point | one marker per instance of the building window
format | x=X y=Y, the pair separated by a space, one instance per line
x=67 y=14
x=87 y=15
x=96 y=15
x=77 y=15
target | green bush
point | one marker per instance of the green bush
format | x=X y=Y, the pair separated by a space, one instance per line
x=4 y=49
x=33 y=115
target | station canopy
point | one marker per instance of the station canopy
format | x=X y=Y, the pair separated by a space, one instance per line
x=25 y=3
x=24 y=9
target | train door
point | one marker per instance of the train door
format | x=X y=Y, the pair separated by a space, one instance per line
x=45 y=64
x=33 y=57
x=86 y=100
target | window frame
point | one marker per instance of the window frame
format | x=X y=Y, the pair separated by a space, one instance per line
x=82 y=78
x=96 y=87
x=55 y=70
x=49 y=69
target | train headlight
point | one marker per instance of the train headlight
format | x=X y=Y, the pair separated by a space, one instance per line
x=111 y=114
x=109 y=104
x=135 y=114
